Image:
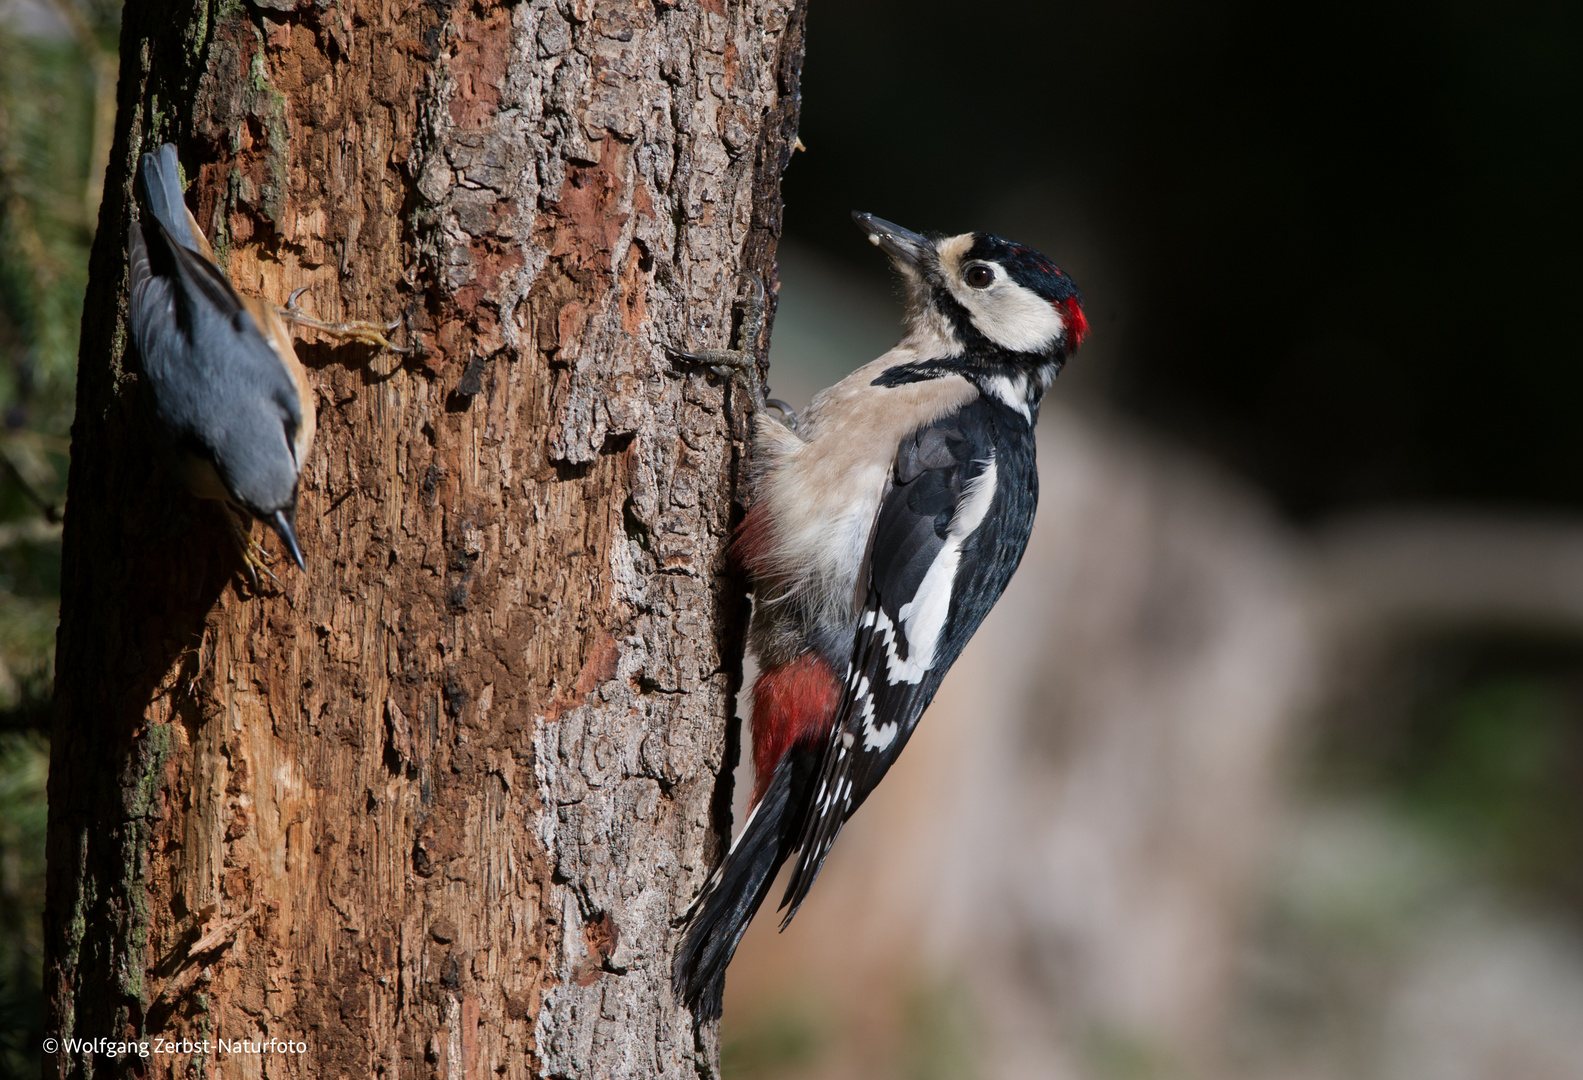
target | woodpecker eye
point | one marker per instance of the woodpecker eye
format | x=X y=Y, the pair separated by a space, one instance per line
x=979 y=276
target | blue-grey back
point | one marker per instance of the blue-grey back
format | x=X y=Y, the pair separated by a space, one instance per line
x=219 y=389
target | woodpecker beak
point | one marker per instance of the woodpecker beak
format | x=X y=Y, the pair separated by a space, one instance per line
x=284 y=525
x=904 y=246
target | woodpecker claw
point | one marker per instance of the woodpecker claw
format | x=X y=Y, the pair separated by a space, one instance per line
x=717 y=358
x=682 y=354
x=743 y=360
x=788 y=414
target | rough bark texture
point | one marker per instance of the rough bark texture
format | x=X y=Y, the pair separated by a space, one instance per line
x=433 y=809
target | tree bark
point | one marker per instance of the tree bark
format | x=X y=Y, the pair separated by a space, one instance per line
x=431 y=808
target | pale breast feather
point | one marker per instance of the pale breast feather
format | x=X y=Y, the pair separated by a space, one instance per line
x=950 y=531
x=822 y=486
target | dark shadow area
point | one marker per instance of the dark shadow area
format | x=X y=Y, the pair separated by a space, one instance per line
x=1338 y=244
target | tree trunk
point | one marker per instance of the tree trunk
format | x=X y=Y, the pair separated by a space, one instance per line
x=431 y=808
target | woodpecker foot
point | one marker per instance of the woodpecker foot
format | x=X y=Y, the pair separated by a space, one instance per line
x=357 y=330
x=788 y=414
x=255 y=560
x=744 y=359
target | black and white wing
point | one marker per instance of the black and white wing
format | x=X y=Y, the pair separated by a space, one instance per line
x=949 y=533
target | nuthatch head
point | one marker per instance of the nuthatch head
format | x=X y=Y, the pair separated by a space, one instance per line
x=230 y=397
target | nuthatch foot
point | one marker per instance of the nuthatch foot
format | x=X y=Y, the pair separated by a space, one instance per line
x=366 y=332
x=230 y=396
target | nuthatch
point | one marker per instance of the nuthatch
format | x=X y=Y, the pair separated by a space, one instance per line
x=230 y=396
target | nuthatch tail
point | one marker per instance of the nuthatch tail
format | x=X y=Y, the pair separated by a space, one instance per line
x=229 y=393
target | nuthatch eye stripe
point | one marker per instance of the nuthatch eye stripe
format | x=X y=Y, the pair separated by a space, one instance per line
x=230 y=397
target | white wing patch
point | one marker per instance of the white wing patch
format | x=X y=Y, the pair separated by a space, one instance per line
x=923 y=617
x=875 y=737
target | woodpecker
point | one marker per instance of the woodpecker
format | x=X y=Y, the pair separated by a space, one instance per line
x=230 y=398
x=885 y=523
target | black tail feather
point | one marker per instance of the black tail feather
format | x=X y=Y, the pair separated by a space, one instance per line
x=722 y=912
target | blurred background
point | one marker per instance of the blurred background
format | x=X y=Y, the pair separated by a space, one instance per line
x=1270 y=764
x=57 y=102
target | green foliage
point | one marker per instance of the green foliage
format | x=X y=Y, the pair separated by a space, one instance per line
x=44 y=227
x=1119 y=1055
x=939 y=1033
x=50 y=96
x=24 y=768
x=56 y=107
x=1479 y=746
x=781 y=1041
x=1499 y=770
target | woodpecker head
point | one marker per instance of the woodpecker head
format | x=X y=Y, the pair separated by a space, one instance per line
x=982 y=299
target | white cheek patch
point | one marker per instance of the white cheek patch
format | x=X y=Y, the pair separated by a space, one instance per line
x=1012 y=316
x=923 y=617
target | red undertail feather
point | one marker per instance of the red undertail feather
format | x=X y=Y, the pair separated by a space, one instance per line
x=793 y=702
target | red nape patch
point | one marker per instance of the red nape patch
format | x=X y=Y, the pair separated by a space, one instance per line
x=750 y=547
x=1076 y=323
x=793 y=702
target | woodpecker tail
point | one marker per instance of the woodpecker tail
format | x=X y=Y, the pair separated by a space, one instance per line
x=723 y=910
x=160 y=182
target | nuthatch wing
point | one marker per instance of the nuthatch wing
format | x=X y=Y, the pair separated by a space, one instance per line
x=230 y=395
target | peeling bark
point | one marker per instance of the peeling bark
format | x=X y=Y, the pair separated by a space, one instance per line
x=431 y=810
